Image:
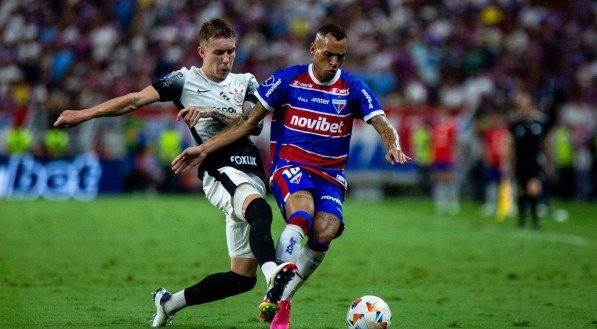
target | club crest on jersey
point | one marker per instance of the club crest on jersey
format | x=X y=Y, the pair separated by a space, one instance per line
x=339 y=104
x=238 y=95
x=297 y=178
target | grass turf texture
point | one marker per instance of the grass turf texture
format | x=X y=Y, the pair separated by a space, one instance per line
x=94 y=264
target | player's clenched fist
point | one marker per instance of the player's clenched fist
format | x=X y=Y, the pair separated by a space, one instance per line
x=70 y=118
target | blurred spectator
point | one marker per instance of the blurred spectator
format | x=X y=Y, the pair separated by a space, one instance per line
x=421 y=153
x=497 y=143
x=69 y=54
x=443 y=168
x=18 y=140
x=563 y=160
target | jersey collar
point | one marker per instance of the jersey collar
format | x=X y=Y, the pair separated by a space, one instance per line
x=329 y=83
x=224 y=82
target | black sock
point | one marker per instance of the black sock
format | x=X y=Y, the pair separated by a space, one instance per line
x=259 y=217
x=534 y=216
x=218 y=286
x=522 y=202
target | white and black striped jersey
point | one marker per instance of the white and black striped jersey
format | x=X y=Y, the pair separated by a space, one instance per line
x=190 y=87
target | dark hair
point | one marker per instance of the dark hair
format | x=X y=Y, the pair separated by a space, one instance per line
x=336 y=31
x=215 y=28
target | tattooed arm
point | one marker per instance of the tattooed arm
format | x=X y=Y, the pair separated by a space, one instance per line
x=238 y=127
x=390 y=140
x=192 y=114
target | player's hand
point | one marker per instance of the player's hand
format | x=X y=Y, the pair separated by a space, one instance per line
x=190 y=157
x=395 y=155
x=192 y=114
x=69 y=119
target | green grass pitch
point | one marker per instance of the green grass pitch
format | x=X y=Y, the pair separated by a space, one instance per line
x=94 y=264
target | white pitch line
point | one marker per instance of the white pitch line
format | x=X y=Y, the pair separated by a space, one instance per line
x=553 y=237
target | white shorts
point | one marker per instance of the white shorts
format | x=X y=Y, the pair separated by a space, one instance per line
x=220 y=192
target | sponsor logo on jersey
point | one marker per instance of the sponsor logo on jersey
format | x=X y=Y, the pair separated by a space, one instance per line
x=224 y=96
x=320 y=100
x=369 y=99
x=167 y=80
x=202 y=91
x=296 y=83
x=339 y=104
x=338 y=91
x=244 y=160
x=273 y=87
x=304 y=100
x=225 y=109
x=319 y=124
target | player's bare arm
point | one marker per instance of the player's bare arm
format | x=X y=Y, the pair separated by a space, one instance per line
x=114 y=107
x=390 y=140
x=240 y=126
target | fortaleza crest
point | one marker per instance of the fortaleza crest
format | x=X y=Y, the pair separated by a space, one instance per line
x=339 y=104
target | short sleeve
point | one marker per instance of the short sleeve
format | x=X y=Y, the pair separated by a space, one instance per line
x=170 y=86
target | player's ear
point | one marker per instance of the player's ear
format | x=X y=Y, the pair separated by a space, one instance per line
x=312 y=49
x=200 y=51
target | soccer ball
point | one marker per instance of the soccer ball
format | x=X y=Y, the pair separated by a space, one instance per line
x=369 y=312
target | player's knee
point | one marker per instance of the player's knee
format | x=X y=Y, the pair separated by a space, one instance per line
x=302 y=219
x=259 y=210
x=243 y=196
x=339 y=231
x=327 y=230
x=325 y=236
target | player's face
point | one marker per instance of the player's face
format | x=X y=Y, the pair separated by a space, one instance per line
x=218 y=57
x=328 y=56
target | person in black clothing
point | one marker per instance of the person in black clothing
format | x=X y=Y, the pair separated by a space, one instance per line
x=528 y=132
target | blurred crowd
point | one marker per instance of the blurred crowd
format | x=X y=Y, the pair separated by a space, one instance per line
x=467 y=58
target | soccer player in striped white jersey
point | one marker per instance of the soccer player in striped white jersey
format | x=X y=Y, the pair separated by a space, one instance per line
x=210 y=97
x=313 y=108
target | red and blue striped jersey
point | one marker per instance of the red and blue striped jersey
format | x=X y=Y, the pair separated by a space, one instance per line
x=312 y=121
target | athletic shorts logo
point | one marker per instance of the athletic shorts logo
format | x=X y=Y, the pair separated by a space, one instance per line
x=296 y=179
x=293 y=174
x=244 y=160
x=331 y=198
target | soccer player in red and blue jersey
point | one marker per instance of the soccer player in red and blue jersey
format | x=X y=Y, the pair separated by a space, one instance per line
x=313 y=108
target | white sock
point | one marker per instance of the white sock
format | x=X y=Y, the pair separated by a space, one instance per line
x=289 y=244
x=306 y=264
x=267 y=269
x=176 y=303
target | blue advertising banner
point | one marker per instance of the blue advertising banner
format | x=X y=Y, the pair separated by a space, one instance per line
x=81 y=177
